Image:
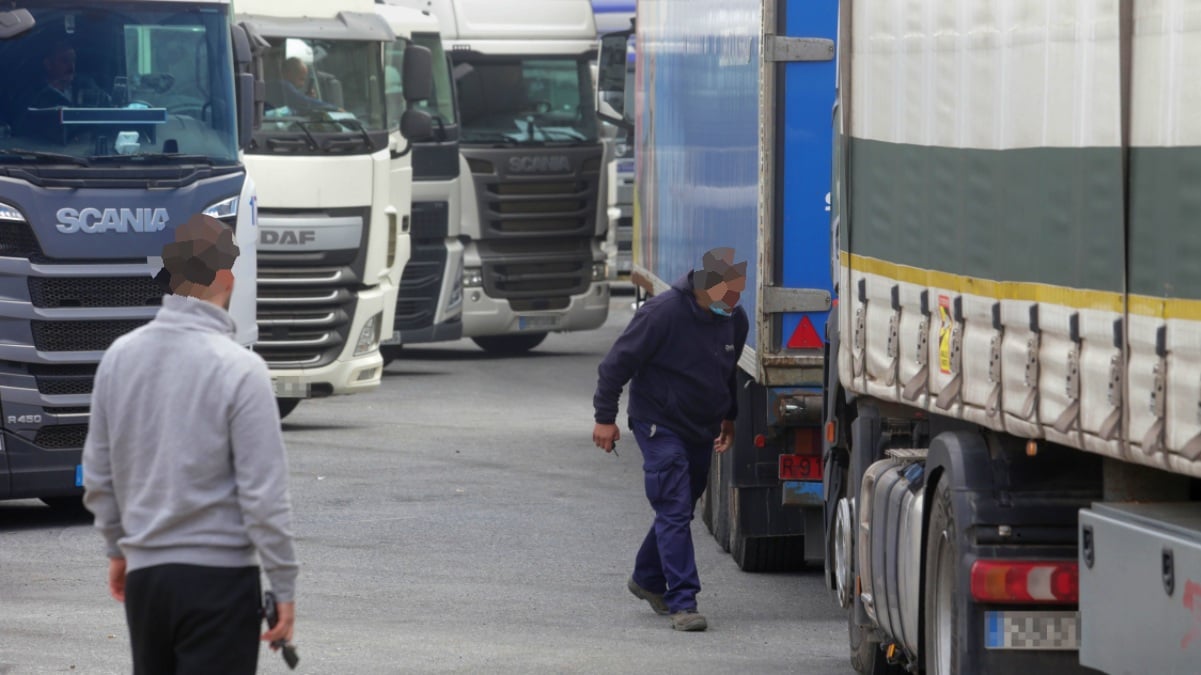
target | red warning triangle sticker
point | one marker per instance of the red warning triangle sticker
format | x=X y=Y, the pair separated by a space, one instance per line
x=805 y=336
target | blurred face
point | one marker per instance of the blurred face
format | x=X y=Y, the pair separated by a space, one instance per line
x=60 y=66
x=297 y=74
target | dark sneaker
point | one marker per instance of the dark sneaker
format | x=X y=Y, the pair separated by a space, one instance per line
x=689 y=620
x=654 y=599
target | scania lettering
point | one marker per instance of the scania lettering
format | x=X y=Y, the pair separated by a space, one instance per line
x=92 y=221
x=531 y=167
x=93 y=185
x=334 y=178
x=539 y=165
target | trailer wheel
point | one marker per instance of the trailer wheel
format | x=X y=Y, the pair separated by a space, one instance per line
x=942 y=583
x=286 y=406
x=867 y=658
x=509 y=345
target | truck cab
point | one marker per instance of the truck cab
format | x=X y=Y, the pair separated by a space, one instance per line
x=429 y=305
x=531 y=162
x=334 y=196
x=118 y=122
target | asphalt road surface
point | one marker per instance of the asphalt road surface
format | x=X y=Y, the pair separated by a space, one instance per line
x=458 y=519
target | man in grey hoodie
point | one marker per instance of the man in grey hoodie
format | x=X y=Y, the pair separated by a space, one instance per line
x=184 y=469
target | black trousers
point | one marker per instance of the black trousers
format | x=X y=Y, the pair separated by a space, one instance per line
x=189 y=619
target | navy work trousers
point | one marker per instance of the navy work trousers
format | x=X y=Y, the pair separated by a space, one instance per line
x=676 y=474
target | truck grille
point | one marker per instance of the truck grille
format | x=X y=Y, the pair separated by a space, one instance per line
x=545 y=270
x=61 y=436
x=59 y=380
x=95 y=292
x=80 y=336
x=420 y=287
x=304 y=315
x=522 y=208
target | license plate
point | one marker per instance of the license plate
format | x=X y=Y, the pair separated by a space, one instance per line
x=1032 y=630
x=531 y=322
x=290 y=387
x=800 y=467
x=394 y=340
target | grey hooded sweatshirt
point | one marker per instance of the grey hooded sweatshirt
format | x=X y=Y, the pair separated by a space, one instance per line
x=184 y=460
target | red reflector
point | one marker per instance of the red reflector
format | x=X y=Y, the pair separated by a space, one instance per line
x=1026 y=582
x=760 y=441
x=797 y=467
x=805 y=336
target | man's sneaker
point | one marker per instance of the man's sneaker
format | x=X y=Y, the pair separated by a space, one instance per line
x=689 y=620
x=655 y=600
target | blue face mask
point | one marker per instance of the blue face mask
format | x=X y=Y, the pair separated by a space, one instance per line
x=720 y=308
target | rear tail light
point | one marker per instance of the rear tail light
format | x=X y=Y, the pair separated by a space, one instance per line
x=1003 y=581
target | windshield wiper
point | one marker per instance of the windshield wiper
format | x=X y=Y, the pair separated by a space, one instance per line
x=358 y=126
x=488 y=137
x=49 y=156
x=154 y=158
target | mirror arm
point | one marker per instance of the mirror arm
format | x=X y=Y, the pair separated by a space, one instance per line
x=397 y=154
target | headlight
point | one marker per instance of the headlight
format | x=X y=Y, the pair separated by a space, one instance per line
x=10 y=214
x=600 y=271
x=473 y=277
x=225 y=210
x=369 y=336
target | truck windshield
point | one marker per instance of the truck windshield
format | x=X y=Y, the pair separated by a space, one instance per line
x=525 y=100
x=327 y=86
x=119 y=79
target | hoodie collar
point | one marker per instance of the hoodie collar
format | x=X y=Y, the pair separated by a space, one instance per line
x=684 y=286
x=188 y=312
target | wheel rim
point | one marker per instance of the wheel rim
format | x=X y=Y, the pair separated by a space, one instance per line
x=842 y=551
x=944 y=606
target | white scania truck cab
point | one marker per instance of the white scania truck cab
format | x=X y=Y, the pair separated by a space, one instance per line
x=531 y=162
x=334 y=183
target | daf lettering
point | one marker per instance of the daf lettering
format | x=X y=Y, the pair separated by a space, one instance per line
x=96 y=221
x=539 y=164
x=295 y=237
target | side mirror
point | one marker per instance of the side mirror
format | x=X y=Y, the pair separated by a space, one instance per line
x=251 y=90
x=612 y=72
x=417 y=126
x=418 y=74
x=15 y=22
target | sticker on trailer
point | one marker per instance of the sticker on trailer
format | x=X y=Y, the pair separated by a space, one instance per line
x=1051 y=631
x=78 y=475
x=944 y=334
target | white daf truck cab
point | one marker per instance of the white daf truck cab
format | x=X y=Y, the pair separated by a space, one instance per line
x=335 y=181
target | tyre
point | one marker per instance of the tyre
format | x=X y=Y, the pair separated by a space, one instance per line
x=390 y=353
x=719 y=494
x=867 y=658
x=942 y=582
x=286 y=406
x=509 y=345
x=66 y=505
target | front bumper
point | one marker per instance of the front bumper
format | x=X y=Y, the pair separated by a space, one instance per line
x=348 y=374
x=483 y=315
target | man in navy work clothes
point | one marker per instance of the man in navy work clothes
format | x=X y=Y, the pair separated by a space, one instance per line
x=679 y=353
